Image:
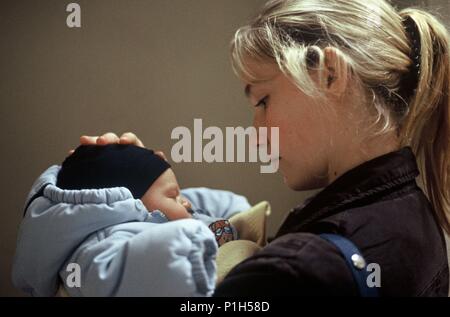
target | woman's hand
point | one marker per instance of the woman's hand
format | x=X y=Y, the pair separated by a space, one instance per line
x=112 y=138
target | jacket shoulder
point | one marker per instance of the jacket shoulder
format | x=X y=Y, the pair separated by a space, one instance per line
x=294 y=264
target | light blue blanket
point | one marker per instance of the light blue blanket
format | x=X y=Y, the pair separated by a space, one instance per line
x=121 y=249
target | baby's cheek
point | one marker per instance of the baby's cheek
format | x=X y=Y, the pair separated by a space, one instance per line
x=172 y=209
x=175 y=211
x=146 y=202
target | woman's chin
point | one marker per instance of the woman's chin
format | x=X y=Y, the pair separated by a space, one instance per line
x=301 y=184
x=290 y=184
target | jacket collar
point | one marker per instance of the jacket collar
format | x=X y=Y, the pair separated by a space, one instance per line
x=372 y=178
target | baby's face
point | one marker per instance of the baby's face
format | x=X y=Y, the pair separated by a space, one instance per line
x=164 y=195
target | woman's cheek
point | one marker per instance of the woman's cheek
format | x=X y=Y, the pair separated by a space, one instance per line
x=274 y=121
x=259 y=119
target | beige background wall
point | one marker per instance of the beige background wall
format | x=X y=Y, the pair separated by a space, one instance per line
x=439 y=8
x=142 y=66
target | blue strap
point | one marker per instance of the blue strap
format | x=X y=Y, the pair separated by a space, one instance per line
x=348 y=249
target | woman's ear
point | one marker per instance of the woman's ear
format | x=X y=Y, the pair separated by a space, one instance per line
x=337 y=72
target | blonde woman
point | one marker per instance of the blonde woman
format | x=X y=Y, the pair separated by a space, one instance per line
x=360 y=93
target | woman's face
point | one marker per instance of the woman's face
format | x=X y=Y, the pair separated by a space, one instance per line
x=164 y=195
x=304 y=129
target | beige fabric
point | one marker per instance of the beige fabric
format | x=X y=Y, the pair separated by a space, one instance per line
x=251 y=227
x=232 y=253
x=251 y=224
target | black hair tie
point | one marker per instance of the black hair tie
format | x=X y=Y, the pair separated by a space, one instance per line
x=410 y=80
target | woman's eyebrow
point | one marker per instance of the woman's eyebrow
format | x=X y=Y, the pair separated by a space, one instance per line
x=249 y=87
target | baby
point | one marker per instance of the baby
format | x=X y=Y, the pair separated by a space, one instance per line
x=146 y=175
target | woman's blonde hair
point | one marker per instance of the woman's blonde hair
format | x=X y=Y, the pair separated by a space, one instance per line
x=371 y=37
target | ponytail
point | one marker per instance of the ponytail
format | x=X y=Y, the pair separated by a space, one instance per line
x=426 y=128
x=387 y=64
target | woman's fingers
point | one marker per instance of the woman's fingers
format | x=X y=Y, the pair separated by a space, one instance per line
x=161 y=155
x=88 y=140
x=108 y=138
x=130 y=138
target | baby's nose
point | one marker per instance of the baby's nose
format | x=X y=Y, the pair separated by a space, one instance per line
x=186 y=203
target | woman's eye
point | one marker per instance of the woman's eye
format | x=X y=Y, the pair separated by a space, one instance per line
x=262 y=102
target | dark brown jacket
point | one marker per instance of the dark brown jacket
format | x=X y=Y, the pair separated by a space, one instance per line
x=380 y=208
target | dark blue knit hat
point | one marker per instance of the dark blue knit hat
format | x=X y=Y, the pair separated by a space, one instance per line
x=115 y=165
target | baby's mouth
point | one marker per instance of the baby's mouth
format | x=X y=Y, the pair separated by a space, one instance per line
x=190 y=210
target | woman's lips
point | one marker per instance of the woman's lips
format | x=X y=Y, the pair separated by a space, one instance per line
x=276 y=159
